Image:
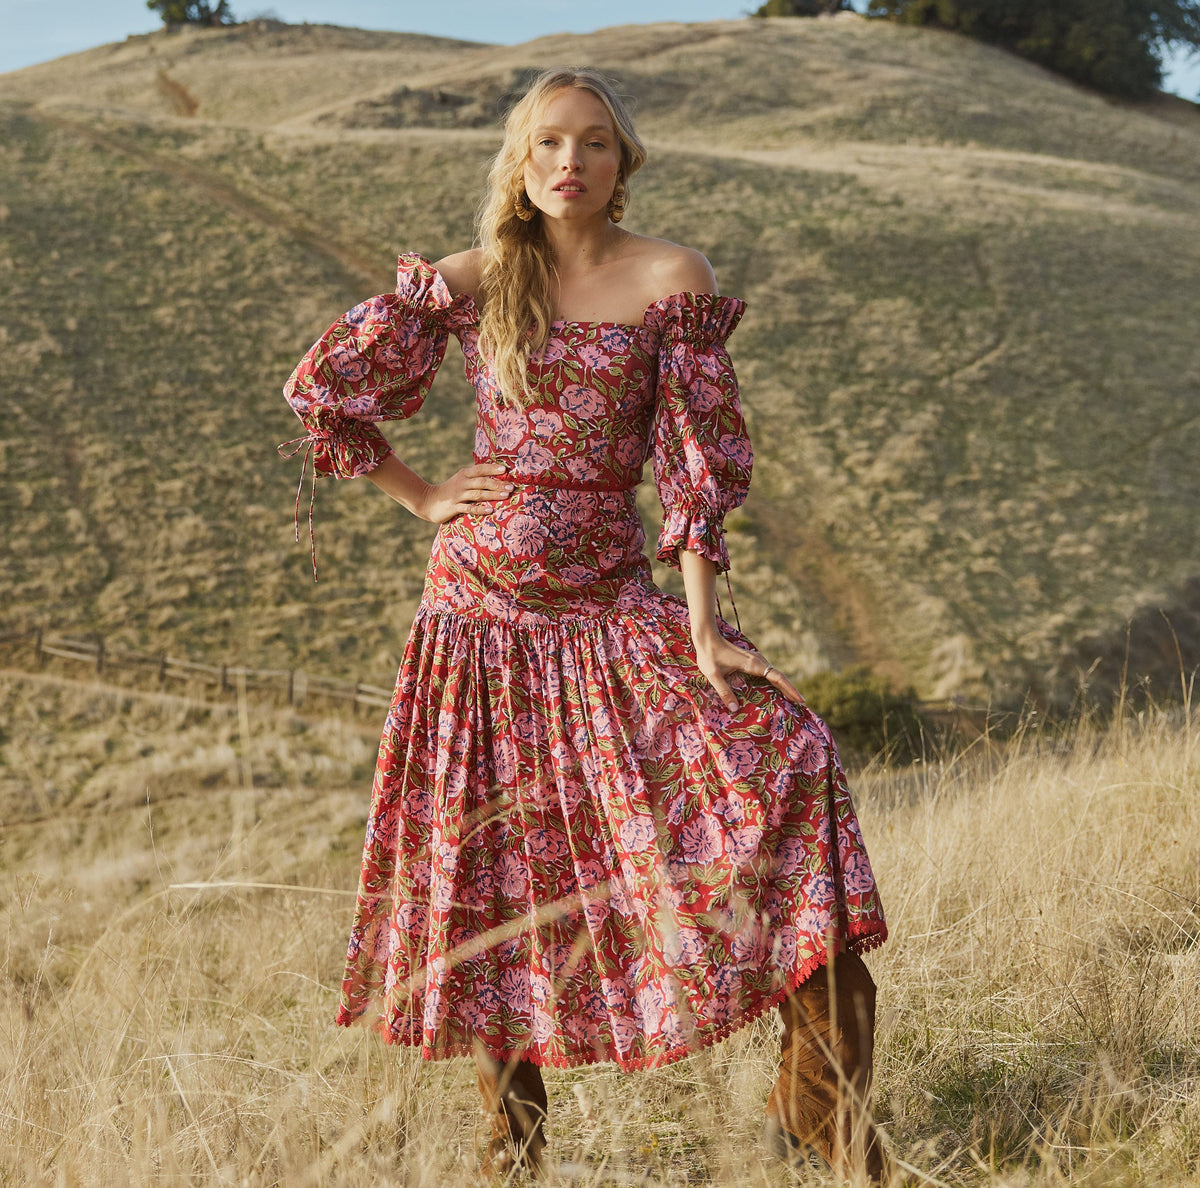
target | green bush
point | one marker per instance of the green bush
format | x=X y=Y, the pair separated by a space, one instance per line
x=868 y=717
x=774 y=8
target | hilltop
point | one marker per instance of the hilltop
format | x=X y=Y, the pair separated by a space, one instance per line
x=968 y=359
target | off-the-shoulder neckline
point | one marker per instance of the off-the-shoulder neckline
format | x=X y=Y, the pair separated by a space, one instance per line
x=466 y=297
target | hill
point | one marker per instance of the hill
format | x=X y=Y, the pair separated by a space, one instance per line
x=968 y=360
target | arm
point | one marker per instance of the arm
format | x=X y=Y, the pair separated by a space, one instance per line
x=471 y=489
x=716 y=657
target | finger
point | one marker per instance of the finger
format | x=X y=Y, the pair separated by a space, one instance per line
x=724 y=692
x=785 y=687
x=485 y=468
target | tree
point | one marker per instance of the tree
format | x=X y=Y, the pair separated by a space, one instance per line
x=801 y=7
x=192 y=12
x=1113 y=45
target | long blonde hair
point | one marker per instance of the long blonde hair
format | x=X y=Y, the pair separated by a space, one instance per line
x=516 y=290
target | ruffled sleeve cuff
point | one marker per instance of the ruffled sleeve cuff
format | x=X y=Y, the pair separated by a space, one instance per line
x=702 y=320
x=696 y=528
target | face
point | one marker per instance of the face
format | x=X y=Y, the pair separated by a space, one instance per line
x=574 y=156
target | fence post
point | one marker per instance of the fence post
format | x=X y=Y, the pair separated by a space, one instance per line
x=291 y=686
x=99 y=655
x=224 y=679
x=39 y=659
x=162 y=668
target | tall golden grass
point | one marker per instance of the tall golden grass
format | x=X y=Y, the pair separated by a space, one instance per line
x=167 y=992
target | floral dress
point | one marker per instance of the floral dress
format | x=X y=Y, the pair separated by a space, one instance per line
x=575 y=852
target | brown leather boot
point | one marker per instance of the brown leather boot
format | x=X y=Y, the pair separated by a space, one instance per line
x=514 y=1102
x=820 y=1099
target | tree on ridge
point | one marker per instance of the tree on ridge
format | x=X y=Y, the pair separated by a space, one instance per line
x=192 y=12
x=801 y=7
x=1112 y=45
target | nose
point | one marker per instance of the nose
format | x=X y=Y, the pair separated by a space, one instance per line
x=570 y=162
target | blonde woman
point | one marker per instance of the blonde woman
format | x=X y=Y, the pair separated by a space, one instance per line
x=603 y=825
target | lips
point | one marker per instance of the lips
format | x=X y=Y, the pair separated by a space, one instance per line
x=570 y=187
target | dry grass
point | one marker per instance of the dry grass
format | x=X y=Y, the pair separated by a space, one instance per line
x=1039 y=996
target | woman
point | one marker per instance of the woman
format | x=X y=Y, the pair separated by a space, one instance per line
x=603 y=825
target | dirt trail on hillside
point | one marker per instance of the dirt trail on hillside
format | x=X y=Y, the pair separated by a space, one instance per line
x=360 y=272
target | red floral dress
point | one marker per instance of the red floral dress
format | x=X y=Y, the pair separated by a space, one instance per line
x=575 y=852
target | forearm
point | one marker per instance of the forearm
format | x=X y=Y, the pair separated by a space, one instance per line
x=403 y=484
x=700 y=586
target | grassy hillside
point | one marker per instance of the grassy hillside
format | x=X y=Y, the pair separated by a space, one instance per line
x=172 y=946
x=968 y=359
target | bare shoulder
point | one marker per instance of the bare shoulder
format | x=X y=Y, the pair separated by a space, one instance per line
x=461 y=271
x=670 y=268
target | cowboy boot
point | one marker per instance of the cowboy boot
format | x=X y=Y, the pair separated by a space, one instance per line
x=514 y=1102
x=820 y=1098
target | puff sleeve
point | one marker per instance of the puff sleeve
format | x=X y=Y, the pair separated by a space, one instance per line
x=375 y=363
x=702 y=454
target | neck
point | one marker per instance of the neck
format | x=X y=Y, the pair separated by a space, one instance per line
x=581 y=245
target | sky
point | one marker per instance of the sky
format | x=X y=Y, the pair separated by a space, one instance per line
x=37 y=30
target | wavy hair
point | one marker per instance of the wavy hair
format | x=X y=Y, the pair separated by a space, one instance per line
x=518 y=266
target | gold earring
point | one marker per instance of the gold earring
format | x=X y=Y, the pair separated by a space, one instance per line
x=616 y=204
x=524 y=208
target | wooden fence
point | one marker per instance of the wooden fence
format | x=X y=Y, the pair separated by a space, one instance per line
x=289 y=686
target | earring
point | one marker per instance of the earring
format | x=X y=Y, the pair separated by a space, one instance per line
x=525 y=209
x=616 y=204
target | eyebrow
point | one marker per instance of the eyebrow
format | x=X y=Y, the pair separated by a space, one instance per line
x=589 y=128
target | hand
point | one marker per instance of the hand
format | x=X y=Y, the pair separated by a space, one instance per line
x=717 y=658
x=472 y=489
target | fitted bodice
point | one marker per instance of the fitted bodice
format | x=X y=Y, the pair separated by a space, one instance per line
x=587 y=423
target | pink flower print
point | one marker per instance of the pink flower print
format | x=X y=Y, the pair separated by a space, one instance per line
x=648 y=1007
x=690 y=741
x=673 y=1031
x=525 y=536
x=595 y=912
x=514 y=989
x=348 y=363
x=554 y=351
x=736 y=449
x=675 y=807
x=540 y=990
x=857 y=875
x=411 y=918
x=577 y=575
x=616 y=993
x=585 y=403
x=510 y=429
x=580 y=469
x=730 y=808
x=513 y=875
x=531 y=459
x=543 y=1027
x=615 y=339
x=726 y=980
x=576 y=507
x=493 y=648
x=738 y=759
x=619 y=897
x=783 y=947
x=788 y=855
x=372 y=311
x=624 y=1032
x=486 y=534
x=748 y=947
x=571 y=795
x=589 y=873
x=545 y=423
x=462 y=936
x=637 y=833
x=420 y=873
x=499 y=605
x=703 y=396
x=546 y=845
x=701 y=840
x=629 y=451
x=807 y=751
x=684 y=947
x=418 y=807
x=529 y=727
x=742 y=845
x=591 y=355
x=813 y=921
x=462 y=552
x=602 y=722
x=504 y=760
x=365 y=406
x=442 y=895
x=819 y=890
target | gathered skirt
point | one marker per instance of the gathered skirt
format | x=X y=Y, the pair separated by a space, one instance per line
x=575 y=852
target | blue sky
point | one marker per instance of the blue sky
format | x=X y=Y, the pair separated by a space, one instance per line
x=36 y=30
